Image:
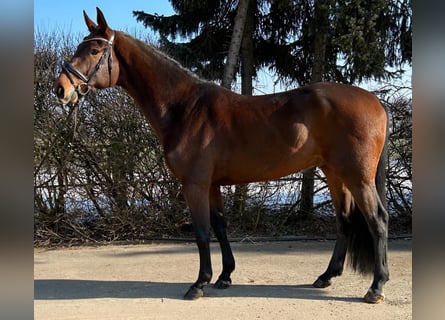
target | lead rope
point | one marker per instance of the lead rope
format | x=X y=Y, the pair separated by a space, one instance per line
x=74 y=111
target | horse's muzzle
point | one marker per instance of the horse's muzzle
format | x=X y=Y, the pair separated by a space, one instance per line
x=65 y=91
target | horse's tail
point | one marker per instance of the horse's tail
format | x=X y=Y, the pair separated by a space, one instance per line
x=360 y=241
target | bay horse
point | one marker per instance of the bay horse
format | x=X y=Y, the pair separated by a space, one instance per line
x=212 y=136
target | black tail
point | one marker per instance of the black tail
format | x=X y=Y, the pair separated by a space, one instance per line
x=360 y=241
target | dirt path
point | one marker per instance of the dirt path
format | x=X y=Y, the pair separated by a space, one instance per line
x=272 y=281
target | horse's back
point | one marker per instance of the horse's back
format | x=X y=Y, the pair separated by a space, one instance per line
x=345 y=98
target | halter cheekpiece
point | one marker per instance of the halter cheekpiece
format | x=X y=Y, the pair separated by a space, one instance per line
x=83 y=88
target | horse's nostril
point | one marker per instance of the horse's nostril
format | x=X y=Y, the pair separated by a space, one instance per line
x=60 y=92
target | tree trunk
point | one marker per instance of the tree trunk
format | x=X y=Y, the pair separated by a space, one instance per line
x=247 y=74
x=320 y=28
x=235 y=43
x=239 y=198
x=247 y=58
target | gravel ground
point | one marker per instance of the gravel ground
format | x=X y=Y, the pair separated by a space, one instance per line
x=272 y=281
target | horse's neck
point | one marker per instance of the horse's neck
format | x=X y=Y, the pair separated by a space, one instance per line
x=154 y=82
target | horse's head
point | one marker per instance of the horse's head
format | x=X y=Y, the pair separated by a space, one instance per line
x=93 y=65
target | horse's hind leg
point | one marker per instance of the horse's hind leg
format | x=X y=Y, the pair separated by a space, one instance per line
x=362 y=223
x=343 y=203
x=220 y=228
x=376 y=218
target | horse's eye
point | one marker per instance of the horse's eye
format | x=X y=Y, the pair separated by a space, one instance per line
x=94 y=52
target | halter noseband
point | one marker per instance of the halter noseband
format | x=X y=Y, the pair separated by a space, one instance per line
x=83 y=88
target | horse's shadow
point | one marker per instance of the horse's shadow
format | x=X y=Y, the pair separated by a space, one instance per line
x=64 y=289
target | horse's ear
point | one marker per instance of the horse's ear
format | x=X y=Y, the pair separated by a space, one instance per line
x=90 y=23
x=103 y=26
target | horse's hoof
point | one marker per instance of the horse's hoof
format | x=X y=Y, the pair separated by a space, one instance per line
x=222 y=284
x=193 y=293
x=319 y=283
x=373 y=297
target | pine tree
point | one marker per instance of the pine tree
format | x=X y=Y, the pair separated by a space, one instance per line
x=208 y=25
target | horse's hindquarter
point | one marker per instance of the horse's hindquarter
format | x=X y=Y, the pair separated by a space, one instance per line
x=351 y=129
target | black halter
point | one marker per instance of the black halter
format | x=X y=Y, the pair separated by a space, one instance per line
x=83 y=88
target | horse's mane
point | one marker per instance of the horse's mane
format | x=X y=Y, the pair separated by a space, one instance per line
x=152 y=50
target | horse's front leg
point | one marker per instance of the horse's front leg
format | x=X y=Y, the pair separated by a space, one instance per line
x=197 y=198
x=220 y=228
